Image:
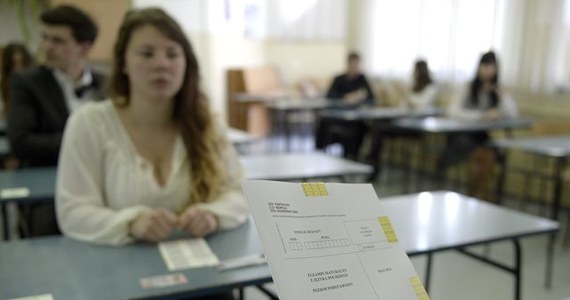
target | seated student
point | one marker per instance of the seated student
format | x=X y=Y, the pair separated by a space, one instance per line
x=482 y=100
x=348 y=90
x=421 y=97
x=351 y=87
x=15 y=58
x=151 y=160
x=42 y=97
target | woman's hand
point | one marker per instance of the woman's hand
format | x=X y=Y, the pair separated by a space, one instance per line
x=198 y=222
x=154 y=226
x=492 y=115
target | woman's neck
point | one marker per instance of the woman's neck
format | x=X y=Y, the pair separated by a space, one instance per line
x=148 y=113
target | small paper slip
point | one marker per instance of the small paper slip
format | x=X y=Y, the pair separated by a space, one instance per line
x=242 y=262
x=36 y=297
x=186 y=254
x=163 y=281
x=14 y=193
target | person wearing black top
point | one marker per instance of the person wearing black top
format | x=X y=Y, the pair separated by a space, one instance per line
x=349 y=91
x=42 y=98
x=351 y=88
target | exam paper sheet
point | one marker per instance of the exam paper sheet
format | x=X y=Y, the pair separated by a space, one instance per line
x=330 y=241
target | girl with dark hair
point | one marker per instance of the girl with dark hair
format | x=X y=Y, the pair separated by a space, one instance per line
x=15 y=58
x=482 y=101
x=152 y=160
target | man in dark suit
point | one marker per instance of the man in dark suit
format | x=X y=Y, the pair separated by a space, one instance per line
x=42 y=98
x=349 y=90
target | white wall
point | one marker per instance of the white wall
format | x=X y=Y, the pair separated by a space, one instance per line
x=302 y=60
x=230 y=51
x=10 y=28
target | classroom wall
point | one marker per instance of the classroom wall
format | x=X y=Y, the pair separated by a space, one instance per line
x=230 y=51
x=10 y=28
x=358 y=31
x=299 y=61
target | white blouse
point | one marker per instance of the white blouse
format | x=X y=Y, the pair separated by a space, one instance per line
x=425 y=99
x=103 y=184
x=459 y=108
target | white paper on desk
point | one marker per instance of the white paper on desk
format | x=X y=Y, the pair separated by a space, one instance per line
x=330 y=241
x=14 y=193
x=186 y=254
x=37 y=297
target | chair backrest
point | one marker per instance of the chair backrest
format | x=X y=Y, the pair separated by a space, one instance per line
x=262 y=79
x=548 y=127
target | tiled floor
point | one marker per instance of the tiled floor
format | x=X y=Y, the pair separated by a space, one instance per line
x=455 y=276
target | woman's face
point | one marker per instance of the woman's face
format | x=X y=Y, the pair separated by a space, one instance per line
x=487 y=72
x=18 y=62
x=154 y=64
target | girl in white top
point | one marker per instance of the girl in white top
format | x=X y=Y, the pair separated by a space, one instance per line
x=423 y=94
x=419 y=98
x=151 y=160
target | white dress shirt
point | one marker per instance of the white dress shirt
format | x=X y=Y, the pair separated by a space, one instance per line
x=68 y=87
x=103 y=184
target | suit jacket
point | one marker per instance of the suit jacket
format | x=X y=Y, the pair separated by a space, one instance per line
x=38 y=113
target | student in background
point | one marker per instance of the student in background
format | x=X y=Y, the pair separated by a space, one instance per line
x=15 y=58
x=42 y=97
x=152 y=160
x=351 y=88
x=483 y=100
x=422 y=95
x=419 y=98
x=348 y=90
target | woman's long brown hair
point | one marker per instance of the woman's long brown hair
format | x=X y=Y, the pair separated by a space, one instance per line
x=204 y=143
x=422 y=78
x=8 y=68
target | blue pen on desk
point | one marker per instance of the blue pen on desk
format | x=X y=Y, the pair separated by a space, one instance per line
x=242 y=262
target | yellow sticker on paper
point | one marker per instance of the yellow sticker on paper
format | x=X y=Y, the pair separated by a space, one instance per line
x=419 y=288
x=388 y=229
x=314 y=189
